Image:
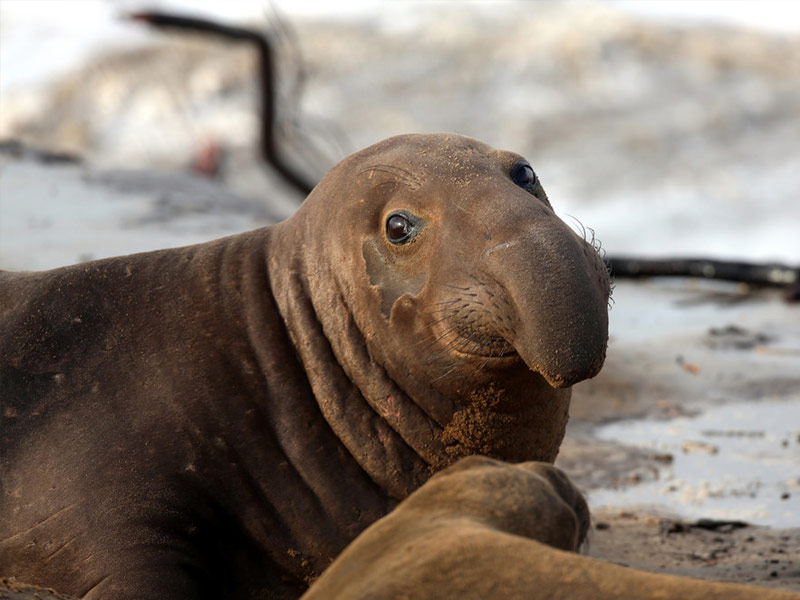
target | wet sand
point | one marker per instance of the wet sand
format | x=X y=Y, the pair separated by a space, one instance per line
x=658 y=543
x=680 y=351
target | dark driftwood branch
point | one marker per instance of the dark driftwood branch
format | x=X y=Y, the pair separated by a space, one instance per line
x=269 y=145
x=765 y=275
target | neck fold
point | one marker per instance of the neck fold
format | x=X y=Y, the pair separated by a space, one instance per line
x=395 y=443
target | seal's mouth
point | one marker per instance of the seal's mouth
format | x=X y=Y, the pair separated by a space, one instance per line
x=496 y=352
x=486 y=347
x=509 y=356
x=478 y=347
x=466 y=337
x=505 y=355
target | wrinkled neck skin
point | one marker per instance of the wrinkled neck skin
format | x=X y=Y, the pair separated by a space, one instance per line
x=392 y=438
x=404 y=403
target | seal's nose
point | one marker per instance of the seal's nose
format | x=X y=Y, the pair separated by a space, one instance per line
x=560 y=300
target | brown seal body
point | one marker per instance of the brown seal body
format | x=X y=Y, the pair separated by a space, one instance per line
x=486 y=529
x=220 y=420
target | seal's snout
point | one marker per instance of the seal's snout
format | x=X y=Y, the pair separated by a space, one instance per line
x=559 y=293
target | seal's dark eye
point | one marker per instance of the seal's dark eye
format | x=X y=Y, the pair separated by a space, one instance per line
x=523 y=175
x=398 y=228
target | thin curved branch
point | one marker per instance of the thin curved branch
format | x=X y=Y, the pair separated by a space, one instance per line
x=269 y=146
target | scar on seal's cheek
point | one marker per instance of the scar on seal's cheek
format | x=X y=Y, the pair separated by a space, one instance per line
x=502 y=246
x=384 y=274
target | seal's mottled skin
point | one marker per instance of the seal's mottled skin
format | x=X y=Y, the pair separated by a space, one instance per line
x=10 y=589
x=219 y=421
x=487 y=529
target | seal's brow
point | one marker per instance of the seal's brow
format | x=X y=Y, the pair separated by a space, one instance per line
x=400 y=175
x=391 y=169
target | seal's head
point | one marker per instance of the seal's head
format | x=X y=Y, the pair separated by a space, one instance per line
x=463 y=282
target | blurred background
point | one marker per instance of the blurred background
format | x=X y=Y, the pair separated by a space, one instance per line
x=669 y=128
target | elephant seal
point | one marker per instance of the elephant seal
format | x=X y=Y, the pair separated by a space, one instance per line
x=487 y=529
x=221 y=420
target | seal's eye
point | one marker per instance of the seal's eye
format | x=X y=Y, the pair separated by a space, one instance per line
x=523 y=175
x=398 y=228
